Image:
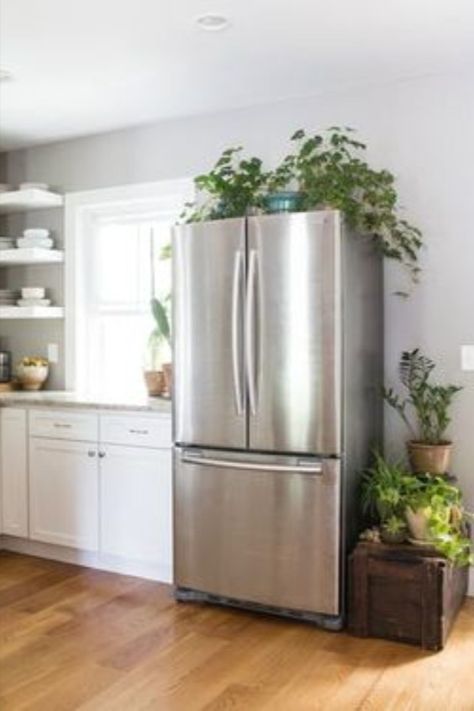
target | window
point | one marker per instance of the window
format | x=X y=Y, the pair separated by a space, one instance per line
x=114 y=241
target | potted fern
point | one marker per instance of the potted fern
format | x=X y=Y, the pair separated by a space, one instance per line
x=428 y=449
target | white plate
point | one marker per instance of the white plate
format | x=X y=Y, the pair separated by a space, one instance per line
x=34 y=302
x=24 y=243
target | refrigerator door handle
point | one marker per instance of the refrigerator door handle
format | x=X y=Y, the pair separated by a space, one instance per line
x=236 y=350
x=253 y=466
x=250 y=332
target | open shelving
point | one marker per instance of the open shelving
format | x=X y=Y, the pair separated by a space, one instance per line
x=30 y=256
x=31 y=312
x=31 y=199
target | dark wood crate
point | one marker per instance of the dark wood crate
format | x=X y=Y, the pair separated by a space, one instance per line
x=405 y=593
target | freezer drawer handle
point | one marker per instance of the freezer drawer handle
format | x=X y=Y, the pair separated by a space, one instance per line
x=236 y=301
x=229 y=464
x=249 y=332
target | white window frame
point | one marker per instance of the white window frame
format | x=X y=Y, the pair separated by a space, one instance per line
x=80 y=208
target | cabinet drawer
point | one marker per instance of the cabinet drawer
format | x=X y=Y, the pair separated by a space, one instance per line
x=136 y=431
x=60 y=424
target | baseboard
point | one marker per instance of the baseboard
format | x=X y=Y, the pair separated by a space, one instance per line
x=90 y=559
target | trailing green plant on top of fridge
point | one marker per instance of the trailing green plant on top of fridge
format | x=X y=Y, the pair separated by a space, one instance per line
x=325 y=170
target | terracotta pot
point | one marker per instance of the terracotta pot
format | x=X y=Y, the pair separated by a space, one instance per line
x=430 y=458
x=417 y=522
x=168 y=373
x=155 y=382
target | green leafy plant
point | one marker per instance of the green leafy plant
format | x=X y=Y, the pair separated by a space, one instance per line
x=442 y=505
x=388 y=490
x=384 y=489
x=330 y=171
x=233 y=187
x=430 y=403
x=160 y=310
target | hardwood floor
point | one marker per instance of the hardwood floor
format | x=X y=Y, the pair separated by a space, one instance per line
x=75 y=638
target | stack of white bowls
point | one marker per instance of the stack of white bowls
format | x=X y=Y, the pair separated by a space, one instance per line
x=33 y=296
x=35 y=237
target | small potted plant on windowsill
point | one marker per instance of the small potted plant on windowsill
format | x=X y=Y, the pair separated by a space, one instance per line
x=158 y=375
x=428 y=450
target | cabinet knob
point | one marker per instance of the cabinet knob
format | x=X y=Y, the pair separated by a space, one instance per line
x=101 y=455
x=91 y=453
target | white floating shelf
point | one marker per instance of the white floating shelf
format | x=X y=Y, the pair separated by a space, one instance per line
x=14 y=312
x=32 y=199
x=34 y=255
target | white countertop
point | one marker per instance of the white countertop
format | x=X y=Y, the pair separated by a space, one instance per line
x=62 y=398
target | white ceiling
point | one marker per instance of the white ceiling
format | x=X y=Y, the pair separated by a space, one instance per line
x=84 y=66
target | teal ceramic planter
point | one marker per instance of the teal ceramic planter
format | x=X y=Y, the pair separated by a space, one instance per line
x=285 y=201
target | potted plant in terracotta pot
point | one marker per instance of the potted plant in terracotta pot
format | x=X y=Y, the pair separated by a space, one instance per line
x=424 y=509
x=158 y=369
x=383 y=493
x=428 y=449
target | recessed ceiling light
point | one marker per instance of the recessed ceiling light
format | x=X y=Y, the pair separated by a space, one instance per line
x=212 y=23
x=5 y=74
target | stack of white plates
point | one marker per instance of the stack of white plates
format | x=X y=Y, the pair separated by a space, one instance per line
x=7 y=243
x=8 y=297
x=33 y=296
x=35 y=237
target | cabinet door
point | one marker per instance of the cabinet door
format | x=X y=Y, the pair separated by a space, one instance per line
x=135 y=495
x=64 y=493
x=14 y=474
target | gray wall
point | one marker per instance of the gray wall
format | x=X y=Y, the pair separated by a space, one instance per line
x=421 y=130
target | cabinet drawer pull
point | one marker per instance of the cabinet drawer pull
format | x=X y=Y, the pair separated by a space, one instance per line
x=62 y=425
x=139 y=432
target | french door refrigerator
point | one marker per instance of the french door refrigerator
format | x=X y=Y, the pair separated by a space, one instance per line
x=276 y=402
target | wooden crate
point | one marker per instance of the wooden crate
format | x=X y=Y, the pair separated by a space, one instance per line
x=405 y=593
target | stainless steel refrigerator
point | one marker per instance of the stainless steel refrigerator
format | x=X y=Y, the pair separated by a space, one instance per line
x=278 y=335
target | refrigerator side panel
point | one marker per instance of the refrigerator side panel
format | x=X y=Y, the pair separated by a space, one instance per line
x=363 y=367
x=293 y=329
x=208 y=306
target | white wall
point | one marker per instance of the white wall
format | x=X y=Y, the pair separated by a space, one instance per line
x=422 y=130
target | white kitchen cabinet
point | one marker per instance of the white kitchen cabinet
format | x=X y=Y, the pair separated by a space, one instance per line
x=14 y=472
x=64 y=493
x=135 y=508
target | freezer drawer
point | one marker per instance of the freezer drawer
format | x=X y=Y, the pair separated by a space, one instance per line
x=261 y=529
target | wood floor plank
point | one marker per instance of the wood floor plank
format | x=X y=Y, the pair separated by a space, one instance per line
x=73 y=638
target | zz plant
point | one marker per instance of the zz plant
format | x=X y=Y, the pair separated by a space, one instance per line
x=429 y=403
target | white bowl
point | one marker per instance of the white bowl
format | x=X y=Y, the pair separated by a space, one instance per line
x=33 y=292
x=36 y=232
